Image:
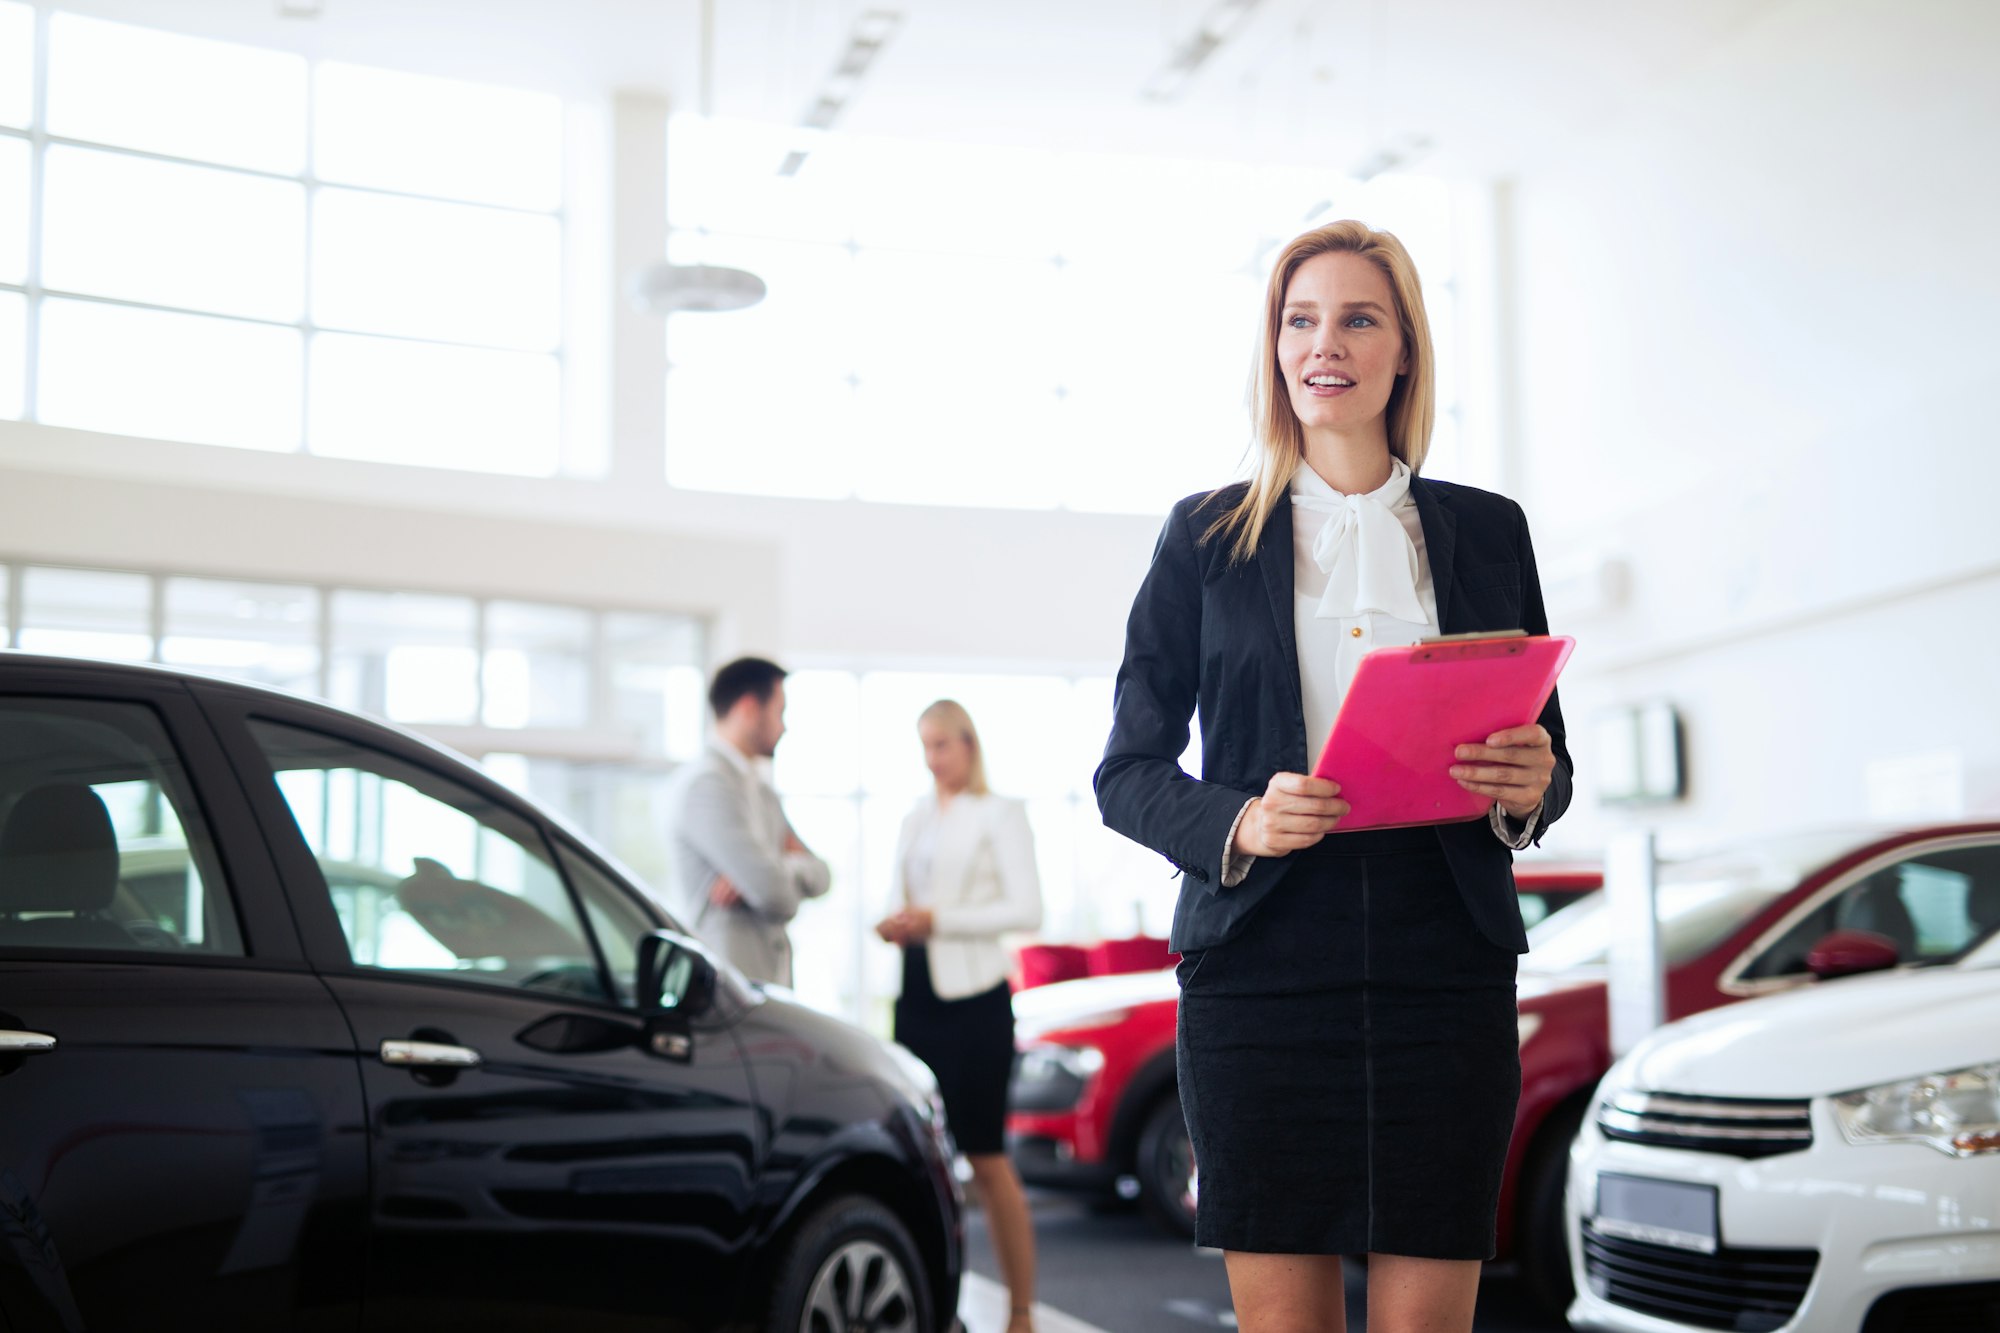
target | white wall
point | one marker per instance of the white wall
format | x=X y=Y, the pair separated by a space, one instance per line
x=1756 y=342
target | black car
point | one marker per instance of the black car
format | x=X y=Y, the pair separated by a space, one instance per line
x=307 y=1024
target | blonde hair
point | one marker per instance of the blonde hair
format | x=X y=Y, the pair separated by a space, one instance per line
x=951 y=714
x=1277 y=439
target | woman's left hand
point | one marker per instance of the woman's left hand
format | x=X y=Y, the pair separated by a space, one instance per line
x=1513 y=767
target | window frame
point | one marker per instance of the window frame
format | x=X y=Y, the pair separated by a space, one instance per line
x=245 y=875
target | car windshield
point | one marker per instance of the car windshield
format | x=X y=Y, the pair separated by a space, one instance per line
x=1703 y=901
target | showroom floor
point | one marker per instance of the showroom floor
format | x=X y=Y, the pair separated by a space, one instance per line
x=1114 y=1272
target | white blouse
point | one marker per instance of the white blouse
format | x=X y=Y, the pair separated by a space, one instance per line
x=1361 y=580
x=1367 y=587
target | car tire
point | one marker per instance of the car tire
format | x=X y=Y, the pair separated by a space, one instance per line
x=1168 y=1182
x=851 y=1268
x=1540 y=1239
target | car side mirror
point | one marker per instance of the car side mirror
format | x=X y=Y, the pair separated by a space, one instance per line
x=1844 y=953
x=675 y=976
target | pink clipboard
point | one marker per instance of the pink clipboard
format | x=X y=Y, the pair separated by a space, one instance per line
x=1410 y=708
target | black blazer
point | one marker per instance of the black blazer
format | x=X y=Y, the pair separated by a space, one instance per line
x=1205 y=635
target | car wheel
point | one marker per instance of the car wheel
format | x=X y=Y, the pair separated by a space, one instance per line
x=1169 y=1184
x=852 y=1268
x=1540 y=1238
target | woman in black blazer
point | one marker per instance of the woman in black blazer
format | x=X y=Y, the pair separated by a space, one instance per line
x=1348 y=1057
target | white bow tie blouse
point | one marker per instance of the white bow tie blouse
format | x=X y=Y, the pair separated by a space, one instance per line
x=1361 y=580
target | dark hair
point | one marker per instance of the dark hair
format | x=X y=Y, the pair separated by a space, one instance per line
x=746 y=675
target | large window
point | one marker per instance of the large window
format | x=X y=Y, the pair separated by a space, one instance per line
x=621 y=684
x=952 y=324
x=587 y=710
x=211 y=242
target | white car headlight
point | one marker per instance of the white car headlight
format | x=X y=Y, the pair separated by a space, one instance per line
x=1526 y=1026
x=1052 y=1077
x=1957 y=1113
x=1047 y=1058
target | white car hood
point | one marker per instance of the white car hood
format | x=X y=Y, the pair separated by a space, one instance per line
x=1066 y=1004
x=1833 y=1036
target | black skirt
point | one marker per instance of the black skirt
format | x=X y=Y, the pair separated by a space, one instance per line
x=969 y=1045
x=1349 y=1063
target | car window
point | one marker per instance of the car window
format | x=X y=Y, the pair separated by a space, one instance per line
x=618 y=922
x=427 y=876
x=101 y=843
x=1538 y=905
x=1935 y=907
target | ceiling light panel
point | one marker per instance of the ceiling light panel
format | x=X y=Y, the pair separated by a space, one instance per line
x=1219 y=23
x=870 y=33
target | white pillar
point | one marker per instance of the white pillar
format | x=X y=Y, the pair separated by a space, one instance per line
x=638 y=340
x=1637 y=972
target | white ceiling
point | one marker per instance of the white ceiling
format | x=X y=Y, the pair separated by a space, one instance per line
x=1491 y=84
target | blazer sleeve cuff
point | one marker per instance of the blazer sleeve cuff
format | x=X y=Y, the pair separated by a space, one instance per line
x=1236 y=865
x=1516 y=833
x=1199 y=854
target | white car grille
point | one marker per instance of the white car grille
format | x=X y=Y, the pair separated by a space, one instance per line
x=1739 y=1126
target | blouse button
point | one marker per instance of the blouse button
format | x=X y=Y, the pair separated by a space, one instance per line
x=1356 y=631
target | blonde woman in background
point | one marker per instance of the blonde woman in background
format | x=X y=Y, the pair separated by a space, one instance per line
x=964 y=876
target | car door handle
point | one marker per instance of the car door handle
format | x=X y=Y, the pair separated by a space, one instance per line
x=428 y=1055
x=25 y=1043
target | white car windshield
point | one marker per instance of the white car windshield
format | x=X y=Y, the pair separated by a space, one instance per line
x=1703 y=901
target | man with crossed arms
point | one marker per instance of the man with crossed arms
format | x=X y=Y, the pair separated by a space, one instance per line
x=741 y=869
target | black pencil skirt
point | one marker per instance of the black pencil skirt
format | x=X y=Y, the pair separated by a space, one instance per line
x=969 y=1045
x=1349 y=1062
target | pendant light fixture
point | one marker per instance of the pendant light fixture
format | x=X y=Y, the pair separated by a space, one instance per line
x=667 y=288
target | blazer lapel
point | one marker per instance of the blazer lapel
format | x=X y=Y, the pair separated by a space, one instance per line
x=1274 y=557
x=1440 y=537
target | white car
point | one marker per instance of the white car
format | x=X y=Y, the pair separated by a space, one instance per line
x=1826 y=1160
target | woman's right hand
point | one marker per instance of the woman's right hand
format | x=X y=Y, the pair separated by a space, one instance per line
x=1294 y=812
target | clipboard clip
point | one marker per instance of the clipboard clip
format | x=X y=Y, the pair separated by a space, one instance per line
x=1473 y=636
x=1476 y=645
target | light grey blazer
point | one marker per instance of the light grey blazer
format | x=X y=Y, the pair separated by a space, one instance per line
x=728 y=822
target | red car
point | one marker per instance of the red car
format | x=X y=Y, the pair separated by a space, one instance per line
x=1094 y=1101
